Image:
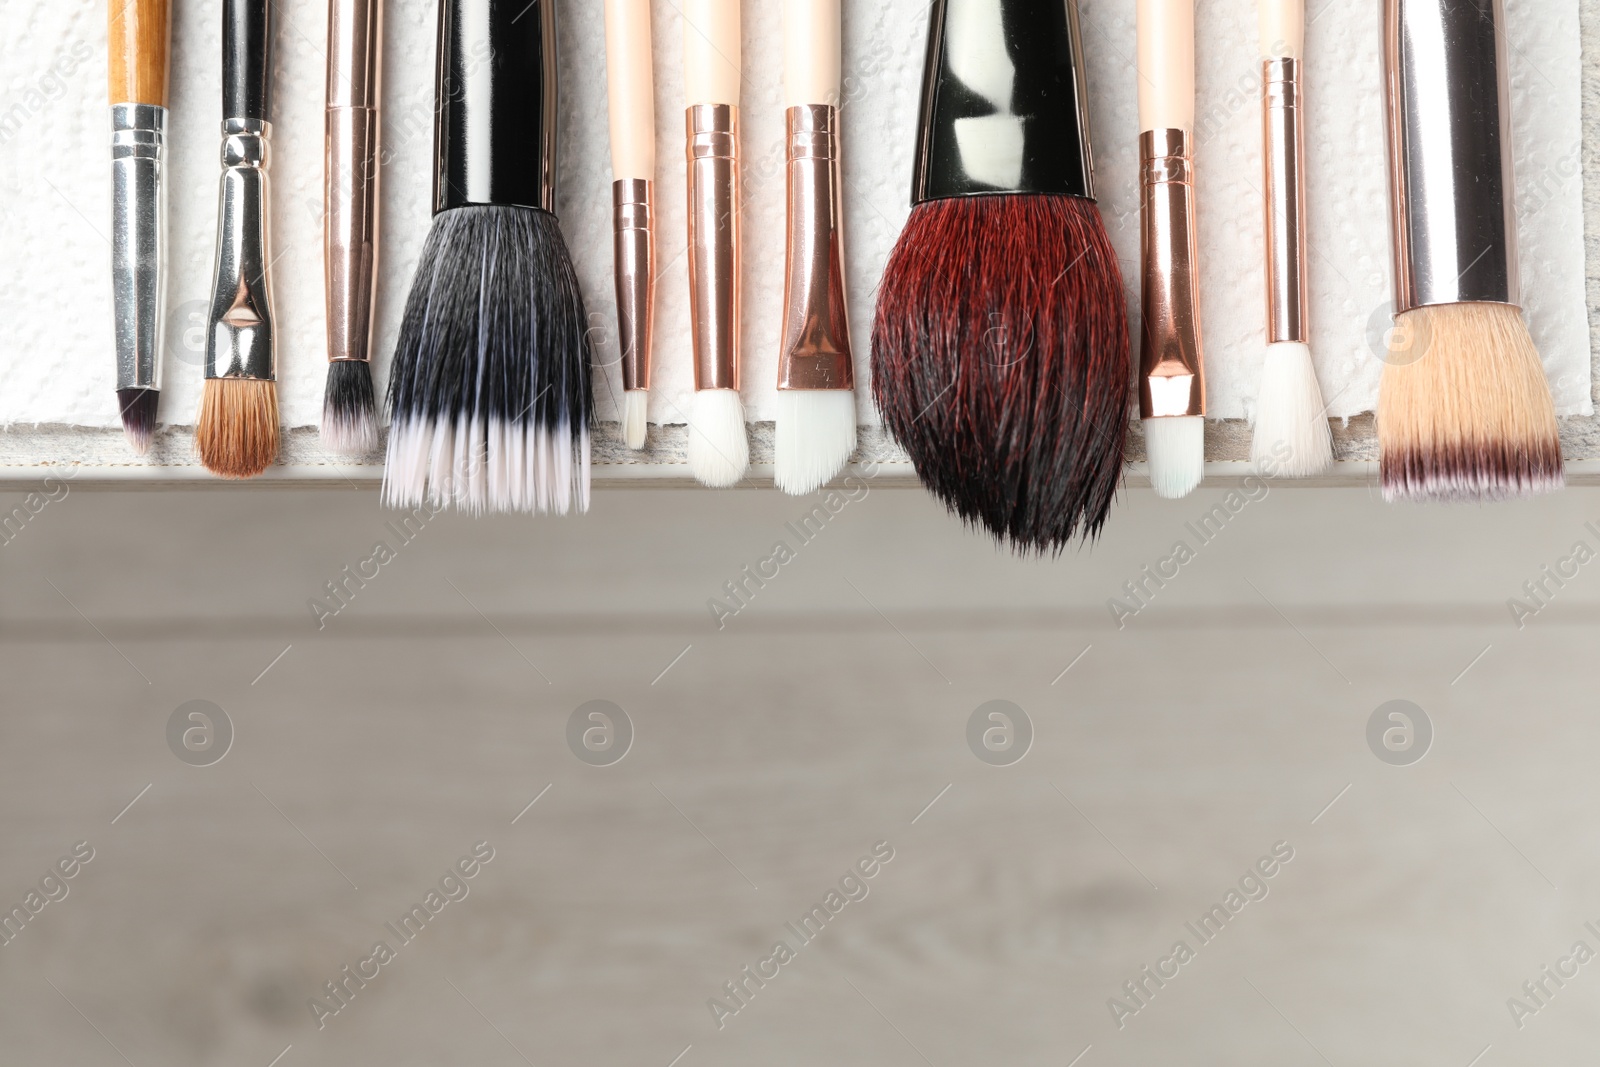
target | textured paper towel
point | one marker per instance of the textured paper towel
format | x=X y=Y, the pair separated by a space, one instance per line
x=55 y=334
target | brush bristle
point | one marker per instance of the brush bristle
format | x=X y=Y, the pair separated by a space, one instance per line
x=635 y=403
x=237 y=431
x=719 y=451
x=1000 y=362
x=1464 y=412
x=489 y=397
x=138 y=408
x=349 y=409
x=1292 y=439
x=816 y=433
x=1176 y=448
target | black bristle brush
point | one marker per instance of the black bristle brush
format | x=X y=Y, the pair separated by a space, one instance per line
x=1000 y=343
x=489 y=395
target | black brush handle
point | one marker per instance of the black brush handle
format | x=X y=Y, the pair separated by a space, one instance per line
x=247 y=59
x=495 y=96
x=1010 y=114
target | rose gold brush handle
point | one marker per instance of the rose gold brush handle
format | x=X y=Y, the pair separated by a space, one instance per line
x=1171 y=368
x=350 y=190
x=630 y=94
x=1283 y=160
x=712 y=72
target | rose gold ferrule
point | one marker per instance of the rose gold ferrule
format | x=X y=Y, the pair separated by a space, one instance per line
x=1284 y=172
x=1171 y=371
x=816 y=326
x=713 y=151
x=350 y=175
x=633 y=226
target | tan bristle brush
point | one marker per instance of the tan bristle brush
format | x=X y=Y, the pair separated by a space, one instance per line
x=1291 y=427
x=1464 y=412
x=630 y=95
x=237 y=432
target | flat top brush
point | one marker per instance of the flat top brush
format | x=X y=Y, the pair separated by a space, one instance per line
x=237 y=431
x=1000 y=340
x=816 y=425
x=140 y=42
x=1464 y=409
x=489 y=394
x=350 y=222
x=719 y=451
x=1291 y=432
x=1172 y=391
x=630 y=94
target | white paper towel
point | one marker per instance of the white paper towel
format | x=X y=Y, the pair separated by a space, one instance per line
x=55 y=333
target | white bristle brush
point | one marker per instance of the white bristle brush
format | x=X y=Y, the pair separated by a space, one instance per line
x=630 y=91
x=1291 y=433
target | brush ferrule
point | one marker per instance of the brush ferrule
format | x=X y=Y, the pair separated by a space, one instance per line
x=816 y=326
x=1451 y=181
x=138 y=241
x=1005 y=104
x=634 y=235
x=350 y=230
x=239 y=342
x=1284 y=172
x=1171 y=365
x=713 y=151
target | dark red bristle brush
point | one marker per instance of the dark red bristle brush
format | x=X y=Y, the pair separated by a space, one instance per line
x=1000 y=343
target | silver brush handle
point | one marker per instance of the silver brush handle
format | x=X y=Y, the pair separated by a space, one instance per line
x=1451 y=182
x=138 y=241
x=239 y=343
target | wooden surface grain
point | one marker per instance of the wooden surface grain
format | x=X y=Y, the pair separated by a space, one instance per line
x=139 y=46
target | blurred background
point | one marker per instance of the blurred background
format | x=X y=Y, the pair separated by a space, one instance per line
x=269 y=775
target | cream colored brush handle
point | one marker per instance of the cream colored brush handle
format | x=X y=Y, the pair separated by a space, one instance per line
x=1283 y=29
x=1166 y=65
x=711 y=65
x=630 y=90
x=812 y=51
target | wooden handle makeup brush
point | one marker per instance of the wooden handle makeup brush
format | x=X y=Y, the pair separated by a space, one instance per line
x=1291 y=432
x=140 y=44
x=816 y=424
x=630 y=92
x=1172 y=392
x=719 y=452
x=237 y=432
x=350 y=222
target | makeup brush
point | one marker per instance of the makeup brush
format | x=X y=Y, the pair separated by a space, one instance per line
x=1000 y=340
x=140 y=45
x=719 y=452
x=1464 y=411
x=350 y=222
x=1172 y=388
x=489 y=394
x=630 y=93
x=1291 y=432
x=237 y=431
x=816 y=424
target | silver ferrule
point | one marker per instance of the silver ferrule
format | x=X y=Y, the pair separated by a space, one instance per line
x=138 y=241
x=1284 y=162
x=634 y=235
x=239 y=341
x=816 y=326
x=1451 y=183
